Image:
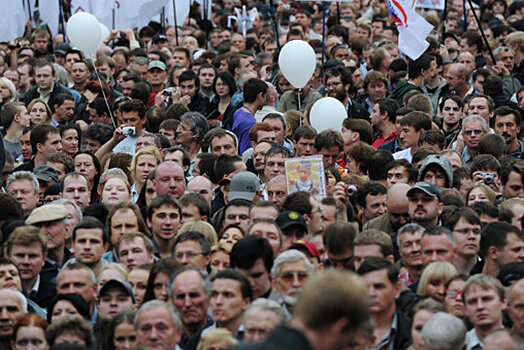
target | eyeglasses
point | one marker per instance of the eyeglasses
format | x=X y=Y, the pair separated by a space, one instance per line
x=189 y=255
x=453 y=293
x=476 y=131
x=290 y=276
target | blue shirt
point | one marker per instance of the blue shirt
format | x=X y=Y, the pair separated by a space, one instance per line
x=243 y=120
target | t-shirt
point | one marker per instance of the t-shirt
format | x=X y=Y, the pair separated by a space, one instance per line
x=14 y=149
x=243 y=120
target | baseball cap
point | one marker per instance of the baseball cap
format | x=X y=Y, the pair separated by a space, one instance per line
x=62 y=48
x=510 y=273
x=45 y=173
x=427 y=188
x=47 y=213
x=158 y=38
x=157 y=64
x=306 y=247
x=244 y=185
x=290 y=218
x=119 y=284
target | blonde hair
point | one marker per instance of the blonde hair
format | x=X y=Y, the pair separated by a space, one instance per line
x=46 y=106
x=485 y=188
x=11 y=87
x=149 y=150
x=221 y=247
x=438 y=270
x=217 y=335
x=113 y=266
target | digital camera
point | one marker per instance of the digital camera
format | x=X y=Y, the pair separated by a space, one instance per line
x=129 y=130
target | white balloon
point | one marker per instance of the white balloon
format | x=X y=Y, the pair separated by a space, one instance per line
x=104 y=33
x=83 y=31
x=297 y=61
x=328 y=113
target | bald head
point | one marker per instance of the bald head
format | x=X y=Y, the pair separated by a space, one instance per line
x=170 y=179
x=468 y=60
x=459 y=70
x=202 y=186
x=398 y=205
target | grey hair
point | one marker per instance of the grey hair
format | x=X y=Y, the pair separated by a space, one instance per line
x=154 y=304
x=197 y=122
x=438 y=231
x=158 y=144
x=75 y=265
x=497 y=51
x=113 y=171
x=20 y=296
x=23 y=175
x=65 y=201
x=411 y=228
x=141 y=61
x=290 y=256
x=206 y=282
x=276 y=178
x=476 y=118
x=444 y=331
x=266 y=305
x=275 y=116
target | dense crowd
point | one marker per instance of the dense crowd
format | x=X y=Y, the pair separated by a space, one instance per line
x=148 y=199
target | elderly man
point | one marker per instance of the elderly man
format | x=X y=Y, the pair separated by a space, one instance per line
x=13 y=305
x=190 y=290
x=158 y=326
x=52 y=219
x=516 y=306
x=190 y=133
x=408 y=242
x=80 y=279
x=437 y=244
x=397 y=214
x=457 y=79
x=260 y=318
x=290 y=271
x=23 y=186
x=473 y=128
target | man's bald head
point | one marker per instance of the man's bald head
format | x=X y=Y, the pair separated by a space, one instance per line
x=202 y=186
x=397 y=205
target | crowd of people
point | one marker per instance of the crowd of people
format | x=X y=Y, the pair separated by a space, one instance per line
x=145 y=201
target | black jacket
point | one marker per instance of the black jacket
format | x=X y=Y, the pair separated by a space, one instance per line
x=57 y=89
x=45 y=294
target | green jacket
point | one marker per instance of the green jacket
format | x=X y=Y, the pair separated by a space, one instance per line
x=402 y=88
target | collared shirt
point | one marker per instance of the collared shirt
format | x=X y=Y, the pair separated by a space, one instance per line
x=35 y=287
x=380 y=140
x=44 y=95
x=472 y=341
x=467 y=158
x=518 y=152
x=386 y=343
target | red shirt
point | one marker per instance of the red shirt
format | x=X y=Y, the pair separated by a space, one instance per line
x=380 y=140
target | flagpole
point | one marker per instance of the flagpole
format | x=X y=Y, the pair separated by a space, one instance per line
x=275 y=25
x=62 y=21
x=323 y=32
x=176 y=25
x=482 y=32
x=29 y=9
x=443 y=21
x=113 y=18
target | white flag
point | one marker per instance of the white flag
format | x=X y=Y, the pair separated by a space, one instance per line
x=13 y=18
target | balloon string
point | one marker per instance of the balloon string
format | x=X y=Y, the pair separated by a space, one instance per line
x=104 y=94
x=299 y=91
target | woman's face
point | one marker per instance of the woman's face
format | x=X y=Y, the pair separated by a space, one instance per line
x=124 y=337
x=63 y=307
x=419 y=320
x=145 y=164
x=231 y=236
x=38 y=113
x=221 y=88
x=150 y=191
x=115 y=191
x=137 y=278
x=453 y=299
x=477 y=195
x=30 y=337
x=5 y=93
x=217 y=345
x=84 y=164
x=220 y=260
x=353 y=166
x=160 y=286
x=436 y=288
x=70 y=142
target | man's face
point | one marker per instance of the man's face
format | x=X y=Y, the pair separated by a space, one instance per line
x=314 y=219
x=377 y=90
x=164 y=222
x=329 y=214
x=127 y=87
x=453 y=79
x=451 y=112
x=398 y=174
x=375 y=206
x=467 y=238
x=70 y=59
x=227 y=301
x=44 y=77
x=237 y=215
x=40 y=44
x=184 y=134
x=364 y=251
x=79 y=72
x=330 y=155
x=280 y=130
x=479 y=106
x=513 y=251
x=55 y=232
x=75 y=189
x=190 y=298
x=156 y=329
x=408 y=136
x=507 y=59
x=169 y=134
x=223 y=145
x=133 y=119
x=437 y=248
x=189 y=253
x=10 y=312
x=180 y=59
x=275 y=165
x=277 y=192
x=258 y=156
x=114 y=300
x=144 y=141
x=436 y=176
x=516 y=309
x=305 y=147
x=343 y=261
x=89 y=245
x=170 y=180
x=156 y=76
x=65 y=111
x=258 y=323
x=123 y=221
x=202 y=186
x=381 y=291
x=134 y=253
x=292 y=277
x=9 y=277
x=467 y=59
x=513 y=187
x=258 y=275
x=268 y=231
x=25 y=194
x=29 y=259
x=472 y=133
x=410 y=249
x=206 y=76
x=52 y=145
x=506 y=127
x=335 y=88
x=484 y=306
x=77 y=281
x=188 y=88
x=424 y=208
x=190 y=213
